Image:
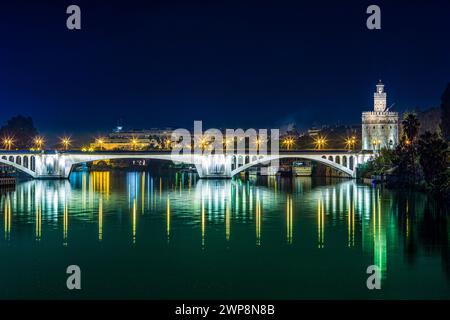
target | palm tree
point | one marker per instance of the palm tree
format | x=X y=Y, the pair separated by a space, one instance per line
x=410 y=126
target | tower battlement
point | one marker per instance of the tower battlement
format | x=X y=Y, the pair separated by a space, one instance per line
x=379 y=127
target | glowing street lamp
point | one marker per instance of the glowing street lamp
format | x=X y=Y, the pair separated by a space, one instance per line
x=65 y=141
x=203 y=143
x=100 y=142
x=134 y=143
x=39 y=143
x=288 y=142
x=376 y=142
x=228 y=142
x=350 y=142
x=258 y=142
x=320 y=142
x=7 y=143
x=167 y=142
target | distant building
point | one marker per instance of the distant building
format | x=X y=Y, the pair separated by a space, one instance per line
x=379 y=127
x=313 y=132
x=120 y=139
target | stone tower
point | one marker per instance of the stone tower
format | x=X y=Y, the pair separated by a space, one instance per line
x=380 y=126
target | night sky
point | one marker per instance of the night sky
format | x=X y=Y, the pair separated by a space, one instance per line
x=231 y=64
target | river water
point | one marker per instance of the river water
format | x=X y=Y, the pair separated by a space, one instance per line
x=142 y=236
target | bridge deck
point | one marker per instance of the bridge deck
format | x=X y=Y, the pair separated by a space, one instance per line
x=168 y=152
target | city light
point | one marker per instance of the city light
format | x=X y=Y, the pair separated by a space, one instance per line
x=258 y=142
x=39 y=143
x=66 y=141
x=320 y=142
x=376 y=142
x=134 y=143
x=203 y=143
x=228 y=142
x=167 y=143
x=350 y=143
x=100 y=142
x=288 y=142
x=7 y=143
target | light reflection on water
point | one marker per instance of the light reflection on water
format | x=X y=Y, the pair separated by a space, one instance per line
x=338 y=227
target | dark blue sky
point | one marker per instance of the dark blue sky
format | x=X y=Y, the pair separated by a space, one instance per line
x=231 y=64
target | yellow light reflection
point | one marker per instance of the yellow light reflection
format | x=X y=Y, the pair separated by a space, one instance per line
x=351 y=223
x=289 y=220
x=7 y=216
x=168 y=218
x=100 y=218
x=258 y=220
x=38 y=222
x=320 y=222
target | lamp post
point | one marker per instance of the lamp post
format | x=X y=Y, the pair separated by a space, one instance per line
x=134 y=143
x=288 y=142
x=100 y=142
x=350 y=143
x=7 y=143
x=65 y=141
x=320 y=142
x=39 y=143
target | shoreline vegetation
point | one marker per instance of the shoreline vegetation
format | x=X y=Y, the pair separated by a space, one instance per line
x=421 y=161
x=418 y=163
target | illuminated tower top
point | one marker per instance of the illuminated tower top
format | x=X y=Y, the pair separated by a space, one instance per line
x=379 y=98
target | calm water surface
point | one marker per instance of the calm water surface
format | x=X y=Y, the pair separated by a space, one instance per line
x=138 y=235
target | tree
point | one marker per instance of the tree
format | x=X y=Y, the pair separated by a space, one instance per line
x=445 y=113
x=410 y=126
x=405 y=157
x=432 y=151
x=21 y=129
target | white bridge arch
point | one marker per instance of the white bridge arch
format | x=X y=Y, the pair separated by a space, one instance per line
x=41 y=165
x=348 y=168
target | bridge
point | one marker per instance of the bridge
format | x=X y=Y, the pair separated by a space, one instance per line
x=59 y=164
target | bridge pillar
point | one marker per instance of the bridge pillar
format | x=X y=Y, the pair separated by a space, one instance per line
x=52 y=166
x=214 y=166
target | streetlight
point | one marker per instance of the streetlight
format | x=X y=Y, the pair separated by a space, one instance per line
x=288 y=142
x=376 y=142
x=134 y=143
x=100 y=142
x=350 y=142
x=203 y=143
x=65 y=141
x=38 y=142
x=258 y=142
x=8 y=142
x=167 y=143
x=320 y=142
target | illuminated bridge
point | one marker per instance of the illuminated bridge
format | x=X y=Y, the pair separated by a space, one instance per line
x=59 y=164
